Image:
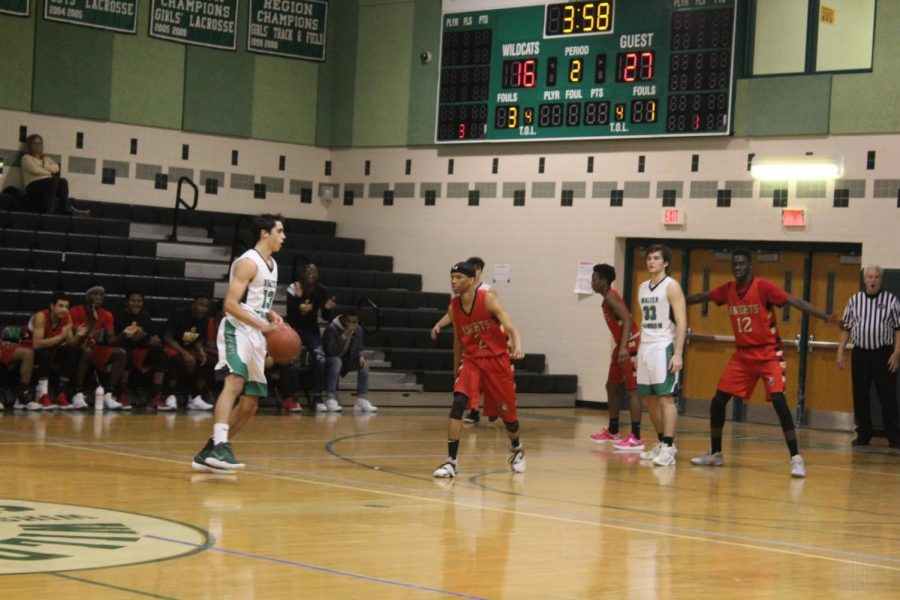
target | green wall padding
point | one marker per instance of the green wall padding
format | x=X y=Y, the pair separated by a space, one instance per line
x=16 y=71
x=285 y=94
x=790 y=105
x=423 y=80
x=72 y=70
x=336 y=85
x=381 y=110
x=866 y=102
x=147 y=78
x=218 y=89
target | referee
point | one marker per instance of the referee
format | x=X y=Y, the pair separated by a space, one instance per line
x=872 y=320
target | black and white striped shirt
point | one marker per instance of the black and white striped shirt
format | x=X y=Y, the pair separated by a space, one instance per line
x=872 y=320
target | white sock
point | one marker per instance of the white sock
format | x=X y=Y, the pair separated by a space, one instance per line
x=220 y=433
x=42 y=387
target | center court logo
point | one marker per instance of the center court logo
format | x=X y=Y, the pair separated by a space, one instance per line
x=37 y=537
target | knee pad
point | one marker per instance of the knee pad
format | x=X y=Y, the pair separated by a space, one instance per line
x=779 y=403
x=460 y=402
x=512 y=426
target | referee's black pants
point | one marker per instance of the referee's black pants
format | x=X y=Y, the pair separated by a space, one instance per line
x=868 y=366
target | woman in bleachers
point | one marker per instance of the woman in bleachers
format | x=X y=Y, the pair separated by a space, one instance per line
x=45 y=190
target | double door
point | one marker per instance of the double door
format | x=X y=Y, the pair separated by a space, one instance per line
x=831 y=281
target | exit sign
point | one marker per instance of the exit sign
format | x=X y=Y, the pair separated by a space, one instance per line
x=673 y=216
x=793 y=217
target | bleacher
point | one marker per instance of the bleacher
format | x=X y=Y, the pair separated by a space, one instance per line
x=42 y=253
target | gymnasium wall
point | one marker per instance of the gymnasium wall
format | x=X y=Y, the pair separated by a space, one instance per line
x=339 y=125
x=61 y=69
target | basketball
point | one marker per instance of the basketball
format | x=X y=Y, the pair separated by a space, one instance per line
x=283 y=344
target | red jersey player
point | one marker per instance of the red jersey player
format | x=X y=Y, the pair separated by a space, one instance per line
x=621 y=366
x=102 y=358
x=759 y=354
x=481 y=359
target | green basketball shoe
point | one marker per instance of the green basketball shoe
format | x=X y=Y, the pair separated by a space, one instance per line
x=199 y=463
x=221 y=457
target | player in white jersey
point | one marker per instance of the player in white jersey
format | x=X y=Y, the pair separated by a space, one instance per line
x=241 y=342
x=659 y=358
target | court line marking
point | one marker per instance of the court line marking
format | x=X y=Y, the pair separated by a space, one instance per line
x=330 y=571
x=109 y=585
x=574 y=521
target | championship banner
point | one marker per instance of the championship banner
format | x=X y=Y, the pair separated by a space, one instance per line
x=292 y=28
x=115 y=15
x=211 y=23
x=14 y=7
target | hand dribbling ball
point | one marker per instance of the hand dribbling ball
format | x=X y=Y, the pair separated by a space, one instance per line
x=283 y=344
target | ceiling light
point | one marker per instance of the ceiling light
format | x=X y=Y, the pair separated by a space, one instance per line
x=796 y=168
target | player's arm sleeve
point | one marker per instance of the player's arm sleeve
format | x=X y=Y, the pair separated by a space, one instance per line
x=772 y=294
x=719 y=295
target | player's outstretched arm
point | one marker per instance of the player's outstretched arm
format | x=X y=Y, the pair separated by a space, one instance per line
x=698 y=298
x=495 y=308
x=244 y=272
x=812 y=310
x=679 y=311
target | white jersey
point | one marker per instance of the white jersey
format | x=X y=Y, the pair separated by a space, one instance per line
x=657 y=320
x=261 y=292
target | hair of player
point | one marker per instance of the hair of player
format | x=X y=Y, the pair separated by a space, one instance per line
x=664 y=250
x=57 y=296
x=741 y=251
x=476 y=261
x=131 y=293
x=202 y=295
x=350 y=311
x=265 y=222
x=605 y=271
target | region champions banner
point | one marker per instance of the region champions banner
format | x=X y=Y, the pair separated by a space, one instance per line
x=115 y=15
x=211 y=23
x=292 y=28
x=14 y=7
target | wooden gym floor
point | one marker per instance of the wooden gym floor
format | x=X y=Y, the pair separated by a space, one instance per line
x=336 y=507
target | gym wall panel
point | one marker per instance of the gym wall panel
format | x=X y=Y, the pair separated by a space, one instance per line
x=866 y=102
x=424 y=77
x=147 y=78
x=334 y=119
x=16 y=70
x=383 y=62
x=218 y=89
x=285 y=95
x=788 y=105
x=72 y=70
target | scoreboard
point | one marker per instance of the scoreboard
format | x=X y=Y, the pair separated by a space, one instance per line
x=525 y=70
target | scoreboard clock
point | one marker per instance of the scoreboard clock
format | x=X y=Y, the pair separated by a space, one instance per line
x=520 y=70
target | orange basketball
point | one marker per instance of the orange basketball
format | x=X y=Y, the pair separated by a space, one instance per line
x=283 y=344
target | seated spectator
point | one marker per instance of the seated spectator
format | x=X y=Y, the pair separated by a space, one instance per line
x=20 y=357
x=306 y=300
x=185 y=338
x=56 y=347
x=45 y=190
x=137 y=334
x=98 y=349
x=343 y=344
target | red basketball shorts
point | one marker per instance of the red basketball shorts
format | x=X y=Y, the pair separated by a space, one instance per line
x=100 y=356
x=740 y=376
x=7 y=350
x=620 y=374
x=493 y=376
